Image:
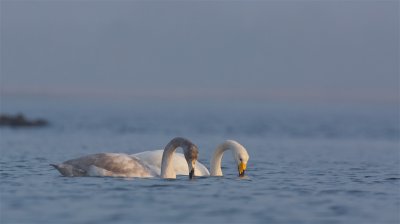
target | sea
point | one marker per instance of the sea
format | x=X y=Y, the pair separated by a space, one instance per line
x=309 y=162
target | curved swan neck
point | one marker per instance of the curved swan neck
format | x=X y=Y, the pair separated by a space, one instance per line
x=167 y=169
x=238 y=150
x=217 y=158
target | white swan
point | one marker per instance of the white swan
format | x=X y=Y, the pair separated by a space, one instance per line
x=122 y=165
x=240 y=155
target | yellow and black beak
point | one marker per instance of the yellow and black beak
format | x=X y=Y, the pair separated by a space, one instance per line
x=242 y=169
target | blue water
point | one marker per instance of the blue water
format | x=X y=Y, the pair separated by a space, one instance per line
x=309 y=163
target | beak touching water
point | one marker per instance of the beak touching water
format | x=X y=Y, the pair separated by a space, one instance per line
x=191 y=170
x=191 y=173
x=242 y=169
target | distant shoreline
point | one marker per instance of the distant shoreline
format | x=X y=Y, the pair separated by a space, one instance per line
x=19 y=120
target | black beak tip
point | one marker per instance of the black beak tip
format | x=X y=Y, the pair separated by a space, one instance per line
x=242 y=174
x=191 y=174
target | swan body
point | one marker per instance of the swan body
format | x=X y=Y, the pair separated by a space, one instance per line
x=106 y=164
x=239 y=153
x=123 y=165
x=153 y=158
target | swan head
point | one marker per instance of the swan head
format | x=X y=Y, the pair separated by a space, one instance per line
x=191 y=154
x=241 y=156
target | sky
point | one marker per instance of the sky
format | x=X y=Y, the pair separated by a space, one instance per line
x=253 y=50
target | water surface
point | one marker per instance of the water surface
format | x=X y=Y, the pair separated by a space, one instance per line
x=308 y=164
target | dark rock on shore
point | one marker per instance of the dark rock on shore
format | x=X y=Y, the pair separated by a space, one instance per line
x=19 y=120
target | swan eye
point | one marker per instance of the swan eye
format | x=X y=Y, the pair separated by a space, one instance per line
x=240 y=159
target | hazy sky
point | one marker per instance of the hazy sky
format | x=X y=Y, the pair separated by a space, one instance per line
x=271 y=50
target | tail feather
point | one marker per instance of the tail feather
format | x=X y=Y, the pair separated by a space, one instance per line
x=58 y=168
x=68 y=170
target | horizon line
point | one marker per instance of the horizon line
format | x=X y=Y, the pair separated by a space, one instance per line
x=271 y=94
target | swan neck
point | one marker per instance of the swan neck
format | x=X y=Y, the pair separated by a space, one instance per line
x=217 y=158
x=167 y=168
